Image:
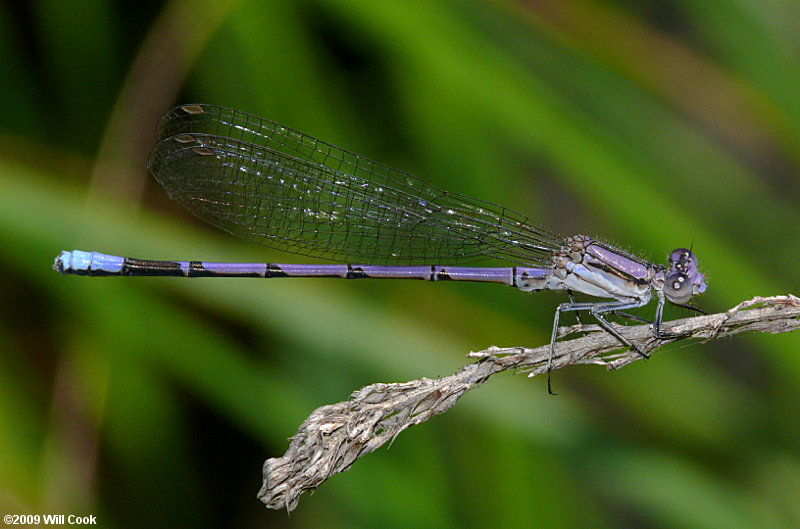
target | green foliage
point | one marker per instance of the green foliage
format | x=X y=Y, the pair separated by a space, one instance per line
x=153 y=402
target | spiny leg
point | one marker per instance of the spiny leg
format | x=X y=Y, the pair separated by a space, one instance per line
x=657 y=320
x=601 y=308
x=659 y=315
x=553 y=348
x=571 y=296
x=564 y=307
x=631 y=317
x=597 y=309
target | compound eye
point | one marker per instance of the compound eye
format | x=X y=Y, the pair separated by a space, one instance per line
x=678 y=288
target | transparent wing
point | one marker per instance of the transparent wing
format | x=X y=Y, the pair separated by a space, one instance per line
x=277 y=187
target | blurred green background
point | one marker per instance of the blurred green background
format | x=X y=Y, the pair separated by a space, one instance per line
x=153 y=402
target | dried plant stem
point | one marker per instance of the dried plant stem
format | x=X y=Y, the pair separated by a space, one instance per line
x=334 y=436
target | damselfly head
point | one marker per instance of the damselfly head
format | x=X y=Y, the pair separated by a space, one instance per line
x=683 y=280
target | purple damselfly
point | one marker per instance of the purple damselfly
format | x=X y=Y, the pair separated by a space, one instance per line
x=272 y=185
